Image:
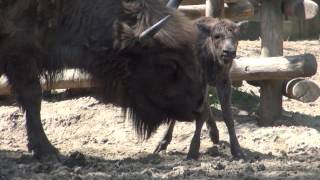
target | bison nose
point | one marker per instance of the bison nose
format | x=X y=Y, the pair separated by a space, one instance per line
x=229 y=54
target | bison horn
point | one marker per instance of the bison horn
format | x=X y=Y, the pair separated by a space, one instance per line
x=242 y=23
x=174 y=4
x=151 y=31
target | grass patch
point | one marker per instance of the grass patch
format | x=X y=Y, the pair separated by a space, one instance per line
x=241 y=100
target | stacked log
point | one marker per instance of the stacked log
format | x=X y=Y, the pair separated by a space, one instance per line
x=273 y=68
x=303 y=9
x=235 y=10
x=68 y=79
x=301 y=89
x=244 y=9
x=242 y=69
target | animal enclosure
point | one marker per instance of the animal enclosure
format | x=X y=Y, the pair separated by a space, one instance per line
x=107 y=148
x=275 y=72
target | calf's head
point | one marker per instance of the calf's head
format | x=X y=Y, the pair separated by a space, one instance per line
x=220 y=38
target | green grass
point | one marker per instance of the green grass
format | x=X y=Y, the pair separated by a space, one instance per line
x=241 y=100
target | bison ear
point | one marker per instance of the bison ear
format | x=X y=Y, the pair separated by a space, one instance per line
x=123 y=37
x=242 y=26
x=204 y=28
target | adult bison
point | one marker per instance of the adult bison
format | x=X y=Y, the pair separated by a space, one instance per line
x=216 y=47
x=139 y=51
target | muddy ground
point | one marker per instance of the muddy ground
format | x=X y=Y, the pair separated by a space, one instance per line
x=99 y=144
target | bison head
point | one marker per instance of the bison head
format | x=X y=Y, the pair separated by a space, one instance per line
x=165 y=78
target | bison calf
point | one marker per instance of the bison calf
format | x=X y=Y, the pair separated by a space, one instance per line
x=216 y=47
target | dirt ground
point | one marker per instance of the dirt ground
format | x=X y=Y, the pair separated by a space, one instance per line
x=100 y=144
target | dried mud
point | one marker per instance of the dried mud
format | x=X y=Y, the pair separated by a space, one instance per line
x=99 y=144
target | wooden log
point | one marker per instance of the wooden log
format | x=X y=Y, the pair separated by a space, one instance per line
x=271 y=45
x=235 y=11
x=264 y=68
x=193 y=11
x=71 y=78
x=215 y=8
x=269 y=68
x=301 y=89
x=241 y=10
x=303 y=9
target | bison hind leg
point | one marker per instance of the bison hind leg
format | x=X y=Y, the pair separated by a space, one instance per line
x=166 y=140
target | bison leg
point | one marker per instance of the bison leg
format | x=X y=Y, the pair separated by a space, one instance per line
x=25 y=83
x=224 y=94
x=195 y=142
x=166 y=138
x=212 y=127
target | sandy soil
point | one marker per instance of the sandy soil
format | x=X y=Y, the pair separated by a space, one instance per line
x=99 y=144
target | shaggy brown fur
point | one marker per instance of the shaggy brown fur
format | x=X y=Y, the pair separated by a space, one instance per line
x=155 y=80
x=216 y=48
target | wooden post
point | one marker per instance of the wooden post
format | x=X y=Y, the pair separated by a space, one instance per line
x=215 y=8
x=272 y=45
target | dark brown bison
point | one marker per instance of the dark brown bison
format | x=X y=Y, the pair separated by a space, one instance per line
x=140 y=52
x=216 y=48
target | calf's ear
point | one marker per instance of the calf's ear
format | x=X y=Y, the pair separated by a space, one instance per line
x=204 y=28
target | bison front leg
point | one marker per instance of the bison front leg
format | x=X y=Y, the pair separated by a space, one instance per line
x=205 y=116
x=24 y=80
x=166 y=140
x=195 y=142
x=224 y=94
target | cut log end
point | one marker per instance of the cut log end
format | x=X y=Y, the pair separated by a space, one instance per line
x=303 y=9
x=302 y=90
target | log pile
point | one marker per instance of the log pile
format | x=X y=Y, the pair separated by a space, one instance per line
x=276 y=68
x=244 y=9
x=235 y=10
x=242 y=69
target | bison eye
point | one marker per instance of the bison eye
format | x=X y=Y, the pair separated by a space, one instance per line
x=168 y=68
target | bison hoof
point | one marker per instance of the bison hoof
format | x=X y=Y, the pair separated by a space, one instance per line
x=214 y=136
x=237 y=153
x=162 y=146
x=46 y=154
x=193 y=156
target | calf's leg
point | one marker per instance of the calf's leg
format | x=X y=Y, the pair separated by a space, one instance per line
x=205 y=116
x=224 y=93
x=212 y=128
